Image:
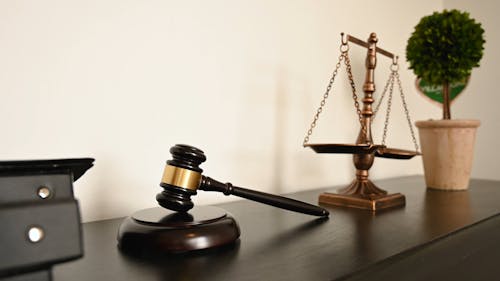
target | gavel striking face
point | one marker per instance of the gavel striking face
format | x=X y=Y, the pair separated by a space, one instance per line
x=182 y=178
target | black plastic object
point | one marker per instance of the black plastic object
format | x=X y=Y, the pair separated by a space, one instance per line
x=75 y=166
x=38 y=195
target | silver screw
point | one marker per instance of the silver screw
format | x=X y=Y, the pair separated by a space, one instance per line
x=35 y=234
x=44 y=192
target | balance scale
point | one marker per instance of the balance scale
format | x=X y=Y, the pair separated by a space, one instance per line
x=362 y=193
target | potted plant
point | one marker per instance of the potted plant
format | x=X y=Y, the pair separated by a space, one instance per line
x=442 y=51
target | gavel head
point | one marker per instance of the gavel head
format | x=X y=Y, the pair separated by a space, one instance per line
x=181 y=178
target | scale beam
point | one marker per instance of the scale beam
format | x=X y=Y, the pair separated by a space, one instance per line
x=365 y=44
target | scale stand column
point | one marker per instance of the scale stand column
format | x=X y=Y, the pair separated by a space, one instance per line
x=362 y=193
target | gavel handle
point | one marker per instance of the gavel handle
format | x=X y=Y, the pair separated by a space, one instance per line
x=209 y=184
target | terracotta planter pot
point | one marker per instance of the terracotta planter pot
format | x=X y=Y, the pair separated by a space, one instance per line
x=447 y=152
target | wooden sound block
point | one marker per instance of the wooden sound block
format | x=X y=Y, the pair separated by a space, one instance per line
x=158 y=230
x=374 y=203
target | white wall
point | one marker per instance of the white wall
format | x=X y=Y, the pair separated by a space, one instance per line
x=481 y=99
x=122 y=81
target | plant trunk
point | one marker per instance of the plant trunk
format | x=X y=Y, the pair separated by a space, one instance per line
x=446 y=101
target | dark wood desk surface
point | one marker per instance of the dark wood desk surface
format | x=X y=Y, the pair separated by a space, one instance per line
x=436 y=235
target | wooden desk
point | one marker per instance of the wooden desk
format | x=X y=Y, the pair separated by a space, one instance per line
x=437 y=235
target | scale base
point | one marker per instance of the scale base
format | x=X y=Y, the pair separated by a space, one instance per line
x=363 y=194
x=158 y=230
x=384 y=202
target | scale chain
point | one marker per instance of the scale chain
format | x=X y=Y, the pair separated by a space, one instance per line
x=325 y=96
x=388 y=111
x=390 y=80
x=347 y=62
x=403 y=100
x=344 y=48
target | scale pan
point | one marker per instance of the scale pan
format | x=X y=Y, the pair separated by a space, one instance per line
x=343 y=148
x=395 y=153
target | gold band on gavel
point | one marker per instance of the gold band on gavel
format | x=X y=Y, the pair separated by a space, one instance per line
x=181 y=177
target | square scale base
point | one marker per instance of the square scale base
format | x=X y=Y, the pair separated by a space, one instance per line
x=373 y=204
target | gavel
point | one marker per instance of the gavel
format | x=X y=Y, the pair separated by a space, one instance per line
x=182 y=178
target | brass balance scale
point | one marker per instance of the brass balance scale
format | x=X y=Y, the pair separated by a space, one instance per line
x=363 y=193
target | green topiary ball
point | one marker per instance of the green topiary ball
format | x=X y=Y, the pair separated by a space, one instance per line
x=445 y=47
